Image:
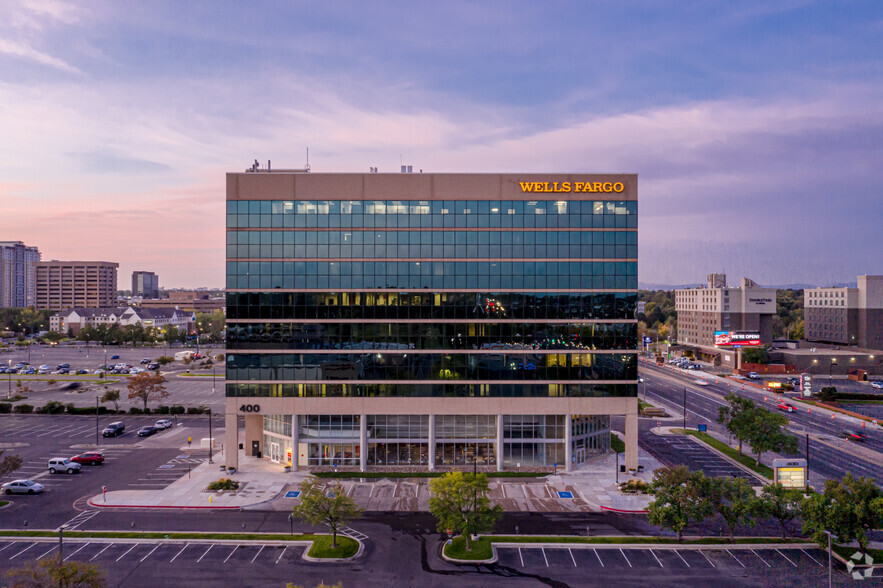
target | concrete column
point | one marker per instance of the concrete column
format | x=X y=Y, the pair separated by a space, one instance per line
x=631 y=437
x=254 y=431
x=231 y=439
x=568 y=443
x=363 y=442
x=295 y=438
x=431 y=442
x=499 y=443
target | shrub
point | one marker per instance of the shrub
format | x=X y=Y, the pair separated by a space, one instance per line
x=195 y=410
x=176 y=409
x=828 y=394
x=51 y=407
x=80 y=410
x=51 y=381
x=634 y=486
x=208 y=362
x=162 y=410
x=164 y=359
x=135 y=410
x=23 y=408
x=5 y=408
x=224 y=484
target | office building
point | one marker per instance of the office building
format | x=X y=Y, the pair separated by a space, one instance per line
x=76 y=284
x=17 y=274
x=845 y=316
x=145 y=284
x=430 y=320
x=717 y=307
x=186 y=300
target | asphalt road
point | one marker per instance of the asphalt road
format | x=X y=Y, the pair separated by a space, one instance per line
x=830 y=456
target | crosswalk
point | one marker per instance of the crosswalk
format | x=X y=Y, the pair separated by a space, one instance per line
x=350 y=532
x=80 y=519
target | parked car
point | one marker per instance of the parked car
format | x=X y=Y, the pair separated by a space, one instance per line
x=114 y=356
x=153 y=366
x=92 y=458
x=877 y=385
x=63 y=464
x=753 y=376
x=63 y=366
x=114 y=429
x=146 y=431
x=22 y=487
x=162 y=424
x=62 y=371
x=145 y=361
x=82 y=371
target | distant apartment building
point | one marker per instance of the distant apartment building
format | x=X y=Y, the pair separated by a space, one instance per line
x=145 y=284
x=187 y=300
x=75 y=319
x=17 y=274
x=846 y=316
x=75 y=284
x=717 y=307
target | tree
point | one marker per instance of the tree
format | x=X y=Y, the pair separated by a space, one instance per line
x=318 y=507
x=848 y=509
x=737 y=417
x=733 y=499
x=147 y=387
x=112 y=396
x=52 y=572
x=756 y=354
x=779 y=503
x=8 y=464
x=680 y=499
x=766 y=433
x=459 y=501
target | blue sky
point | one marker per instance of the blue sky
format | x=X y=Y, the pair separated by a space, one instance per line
x=756 y=128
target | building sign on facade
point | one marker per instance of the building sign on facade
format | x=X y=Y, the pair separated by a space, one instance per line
x=736 y=338
x=567 y=187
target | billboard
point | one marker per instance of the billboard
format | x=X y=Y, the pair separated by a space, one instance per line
x=736 y=338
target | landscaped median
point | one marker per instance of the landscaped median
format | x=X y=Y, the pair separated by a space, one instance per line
x=722 y=447
x=483 y=549
x=319 y=544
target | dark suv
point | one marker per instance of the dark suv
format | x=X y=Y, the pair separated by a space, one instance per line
x=113 y=429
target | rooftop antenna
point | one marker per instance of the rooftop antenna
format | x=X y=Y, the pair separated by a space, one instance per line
x=307 y=166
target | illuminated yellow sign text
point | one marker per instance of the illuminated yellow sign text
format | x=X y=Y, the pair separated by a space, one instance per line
x=567 y=187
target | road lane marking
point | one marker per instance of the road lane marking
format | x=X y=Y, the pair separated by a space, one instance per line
x=204 y=554
x=102 y=551
x=706 y=557
x=278 y=559
x=258 y=553
x=682 y=558
x=179 y=553
x=573 y=559
x=76 y=552
x=23 y=550
x=657 y=559
x=127 y=552
x=231 y=553
x=151 y=551
x=761 y=559
x=520 y=557
x=626 y=559
x=734 y=557
x=786 y=558
x=812 y=558
x=544 y=557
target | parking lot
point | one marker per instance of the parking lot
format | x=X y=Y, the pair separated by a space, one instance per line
x=675 y=450
x=670 y=566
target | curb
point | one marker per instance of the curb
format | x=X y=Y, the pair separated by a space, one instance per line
x=358 y=554
x=622 y=510
x=468 y=561
x=103 y=505
x=742 y=467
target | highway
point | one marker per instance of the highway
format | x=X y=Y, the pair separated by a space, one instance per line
x=830 y=456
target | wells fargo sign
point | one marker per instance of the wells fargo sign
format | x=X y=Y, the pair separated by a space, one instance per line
x=567 y=187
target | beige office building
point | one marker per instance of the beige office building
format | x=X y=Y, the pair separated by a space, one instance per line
x=430 y=321
x=846 y=316
x=76 y=284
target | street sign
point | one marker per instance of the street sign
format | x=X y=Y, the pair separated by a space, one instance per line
x=790 y=473
x=292 y=494
x=806 y=384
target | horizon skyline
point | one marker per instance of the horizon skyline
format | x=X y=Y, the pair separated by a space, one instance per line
x=755 y=129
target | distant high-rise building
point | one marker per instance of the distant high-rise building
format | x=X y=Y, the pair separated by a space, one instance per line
x=76 y=284
x=145 y=284
x=17 y=274
x=846 y=316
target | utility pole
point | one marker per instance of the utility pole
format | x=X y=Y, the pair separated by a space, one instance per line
x=685 y=409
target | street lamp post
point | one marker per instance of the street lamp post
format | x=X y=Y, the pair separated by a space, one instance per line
x=96 y=421
x=61 y=543
x=210 y=440
x=685 y=409
x=831 y=370
x=617 y=465
x=828 y=533
x=9 y=373
x=213 y=378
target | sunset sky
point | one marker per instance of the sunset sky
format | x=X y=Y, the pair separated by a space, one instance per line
x=756 y=128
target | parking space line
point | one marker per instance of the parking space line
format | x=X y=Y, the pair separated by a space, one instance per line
x=599 y=557
x=657 y=559
x=812 y=558
x=521 y=558
x=151 y=551
x=786 y=558
x=51 y=549
x=626 y=559
x=179 y=553
x=204 y=554
x=258 y=553
x=544 y=556
x=231 y=553
x=706 y=557
x=76 y=552
x=102 y=551
x=10 y=545
x=761 y=559
x=23 y=550
x=682 y=558
x=734 y=557
x=278 y=559
x=127 y=552
x=573 y=559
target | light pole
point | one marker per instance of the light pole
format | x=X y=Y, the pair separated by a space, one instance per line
x=685 y=409
x=61 y=543
x=9 y=373
x=96 y=421
x=213 y=378
x=831 y=370
x=210 y=440
x=291 y=524
x=828 y=533
x=617 y=465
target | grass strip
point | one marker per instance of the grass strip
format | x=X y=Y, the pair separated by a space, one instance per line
x=479 y=549
x=424 y=474
x=617 y=444
x=745 y=460
x=154 y=535
x=346 y=547
x=847 y=552
x=4 y=502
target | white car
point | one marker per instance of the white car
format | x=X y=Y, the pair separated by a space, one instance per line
x=22 y=487
x=877 y=385
x=63 y=464
x=162 y=424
